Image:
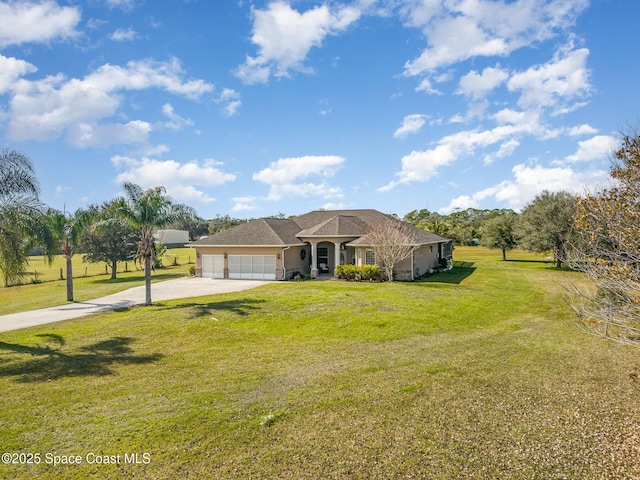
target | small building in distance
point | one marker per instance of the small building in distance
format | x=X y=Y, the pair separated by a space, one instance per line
x=172 y=238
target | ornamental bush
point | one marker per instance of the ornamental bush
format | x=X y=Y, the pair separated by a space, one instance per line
x=370 y=272
x=355 y=272
x=347 y=271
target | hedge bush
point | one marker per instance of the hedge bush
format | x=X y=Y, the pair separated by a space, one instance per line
x=370 y=272
x=357 y=272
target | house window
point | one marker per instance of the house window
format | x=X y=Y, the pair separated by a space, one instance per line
x=369 y=257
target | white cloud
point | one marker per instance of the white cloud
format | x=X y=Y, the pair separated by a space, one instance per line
x=477 y=86
x=32 y=21
x=106 y=134
x=284 y=176
x=230 y=100
x=45 y=109
x=421 y=166
x=154 y=150
x=244 y=204
x=527 y=182
x=11 y=69
x=141 y=74
x=584 y=129
x=410 y=124
x=180 y=179
x=123 y=35
x=334 y=206
x=122 y=4
x=555 y=83
x=457 y=31
x=505 y=150
x=425 y=86
x=96 y=23
x=285 y=37
x=177 y=122
x=599 y=147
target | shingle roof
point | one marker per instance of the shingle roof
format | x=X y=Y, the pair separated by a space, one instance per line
x=317 y=217
x=338 y=225
x=415 y=236
x=325 y=223
x=260 y=232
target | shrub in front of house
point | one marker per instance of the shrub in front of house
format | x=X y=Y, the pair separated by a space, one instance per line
x=357 y=272
x=370 y=272
x=347 y=271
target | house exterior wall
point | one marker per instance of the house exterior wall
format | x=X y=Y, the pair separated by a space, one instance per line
x=424 y=258
x=294 y=264
x=212 y=250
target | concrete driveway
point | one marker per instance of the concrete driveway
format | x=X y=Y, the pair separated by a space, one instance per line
x=168 y=290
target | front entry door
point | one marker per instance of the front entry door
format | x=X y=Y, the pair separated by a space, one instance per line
x=323 y=259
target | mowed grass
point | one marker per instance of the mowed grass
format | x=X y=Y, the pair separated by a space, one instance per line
x=89 y=280
x=476 y=373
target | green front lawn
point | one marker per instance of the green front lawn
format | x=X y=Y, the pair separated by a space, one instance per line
x=475 y=373
x=89 y=280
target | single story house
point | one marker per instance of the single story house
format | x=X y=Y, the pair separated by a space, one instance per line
x=313 y=243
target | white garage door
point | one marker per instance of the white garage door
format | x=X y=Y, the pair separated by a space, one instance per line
x=252 y=267
x=213 y=266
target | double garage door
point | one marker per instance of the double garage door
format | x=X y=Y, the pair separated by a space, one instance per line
x=248 y=267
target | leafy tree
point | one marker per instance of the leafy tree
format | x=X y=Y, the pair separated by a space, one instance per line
x=150 y=210
x=500 y=232
x=68 y=228
x=392 y=241
x=546 y=224
x=220 y=224
x=22 y=220
x=462 y=226
x=110 y=238
x=607 y=223
x=427 y=220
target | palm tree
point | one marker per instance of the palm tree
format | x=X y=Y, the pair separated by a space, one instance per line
x=68 y=231
x=22 y=222
x=150 y=210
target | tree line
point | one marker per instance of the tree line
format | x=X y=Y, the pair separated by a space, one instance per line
x=544 y=225
x=117 y=230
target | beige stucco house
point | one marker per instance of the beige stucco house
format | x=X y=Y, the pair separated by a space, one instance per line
x=313 y=243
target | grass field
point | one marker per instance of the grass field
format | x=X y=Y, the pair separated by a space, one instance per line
x=90 y=280
x=477 y=373
x=40 y=270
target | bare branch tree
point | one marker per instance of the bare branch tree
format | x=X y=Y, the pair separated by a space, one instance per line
x=392 y=241
x=608 y=252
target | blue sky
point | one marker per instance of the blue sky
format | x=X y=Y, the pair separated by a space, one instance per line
x=251 y=108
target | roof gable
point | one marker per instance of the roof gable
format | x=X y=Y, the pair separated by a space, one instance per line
x=337 y=226
x=311 y=219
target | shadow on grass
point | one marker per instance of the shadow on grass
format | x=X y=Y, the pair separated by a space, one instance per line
x=242 y=307
x=460 y=271
x=549 y=264
x=38 y=363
